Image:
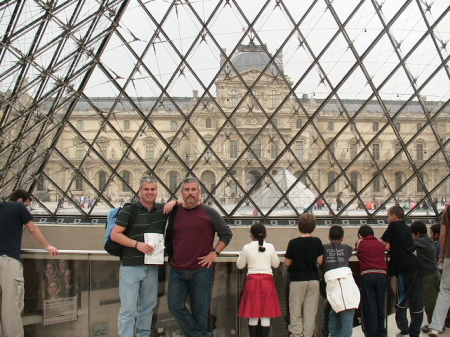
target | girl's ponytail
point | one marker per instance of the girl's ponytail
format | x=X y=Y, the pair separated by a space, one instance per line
x=259 y=232
x=261 y=237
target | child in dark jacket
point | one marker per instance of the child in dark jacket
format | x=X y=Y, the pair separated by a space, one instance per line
x=426 y=252
x=435 y=231
x=371 y=252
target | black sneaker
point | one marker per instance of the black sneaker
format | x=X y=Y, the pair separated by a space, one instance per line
x=425 y=328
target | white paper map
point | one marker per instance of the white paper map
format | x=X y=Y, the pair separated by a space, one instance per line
x=157 y=241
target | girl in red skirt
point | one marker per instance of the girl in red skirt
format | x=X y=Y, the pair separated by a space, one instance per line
x=260 y=299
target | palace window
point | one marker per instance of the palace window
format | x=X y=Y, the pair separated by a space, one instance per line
x=208 y=123
x=330 y=126
x=420 y=180
x=274 y=99
x=234 y=97
x=79 y=152
x=354 y=180
x=173 y=126
x=299 y=149
x=255 y=149
x=126 y=124
x=233 y=148
x=149 y=150
x=331 y=183
x=274 y=149
x=80 y=124
x=40 y=183
x=420 y=151
x=78 y=182
x=376 y=151
x=353 y=150
x=103 y=147
x=398 y=181
x=376 y=183
x=398 y=149
x=375 y=126
x=101 y=180
x=126 y=176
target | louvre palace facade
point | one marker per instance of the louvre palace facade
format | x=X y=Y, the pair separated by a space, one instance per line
x=278 y=108
x=249 y=144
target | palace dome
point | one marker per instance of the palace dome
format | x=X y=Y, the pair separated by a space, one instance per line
x=253 y=56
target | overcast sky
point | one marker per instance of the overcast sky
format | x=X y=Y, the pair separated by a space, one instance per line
x=232 y=22
x=274 y=25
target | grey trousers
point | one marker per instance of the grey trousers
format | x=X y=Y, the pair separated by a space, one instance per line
x=303 y=302
x=443 y=300
x=11 y=297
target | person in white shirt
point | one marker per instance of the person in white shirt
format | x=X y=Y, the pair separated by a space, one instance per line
x=259 y=301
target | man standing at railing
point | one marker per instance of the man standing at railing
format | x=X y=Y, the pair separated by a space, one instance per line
x=189 y=245
x=138 y=286
x=13 y=216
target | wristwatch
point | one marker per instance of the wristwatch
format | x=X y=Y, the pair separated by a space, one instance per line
x=216 y=251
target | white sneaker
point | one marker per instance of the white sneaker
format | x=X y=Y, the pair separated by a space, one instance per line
x=434 y=333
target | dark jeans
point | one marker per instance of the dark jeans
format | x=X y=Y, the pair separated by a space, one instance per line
x=197 y=284
x=409 y=291
x=373 y=303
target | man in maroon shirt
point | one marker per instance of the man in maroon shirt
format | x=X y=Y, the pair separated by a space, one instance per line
x=189 y=244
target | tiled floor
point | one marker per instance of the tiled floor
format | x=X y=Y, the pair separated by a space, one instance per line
x=393 y=330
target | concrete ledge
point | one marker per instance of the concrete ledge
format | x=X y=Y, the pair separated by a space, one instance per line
x=90 y=237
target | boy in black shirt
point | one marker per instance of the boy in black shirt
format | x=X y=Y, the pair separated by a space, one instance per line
x=303 y=255
x=405 y=265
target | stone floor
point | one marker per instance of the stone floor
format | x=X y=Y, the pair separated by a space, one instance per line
x=393 y=330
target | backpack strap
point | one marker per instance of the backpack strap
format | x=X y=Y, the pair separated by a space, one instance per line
x=133 y=217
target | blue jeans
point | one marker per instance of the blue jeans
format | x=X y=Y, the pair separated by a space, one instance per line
x=197 y=284
x=341 y=323
x=138 y=296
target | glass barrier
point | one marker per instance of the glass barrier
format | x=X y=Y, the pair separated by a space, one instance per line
x=69 y=296
x=77 y=294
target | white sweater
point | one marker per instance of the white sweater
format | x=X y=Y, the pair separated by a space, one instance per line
x=342 y=291
x=258 y=262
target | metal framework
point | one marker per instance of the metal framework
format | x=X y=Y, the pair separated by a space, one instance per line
x=346 y=59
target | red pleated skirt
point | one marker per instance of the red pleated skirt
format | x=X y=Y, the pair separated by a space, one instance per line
x=260 y=297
